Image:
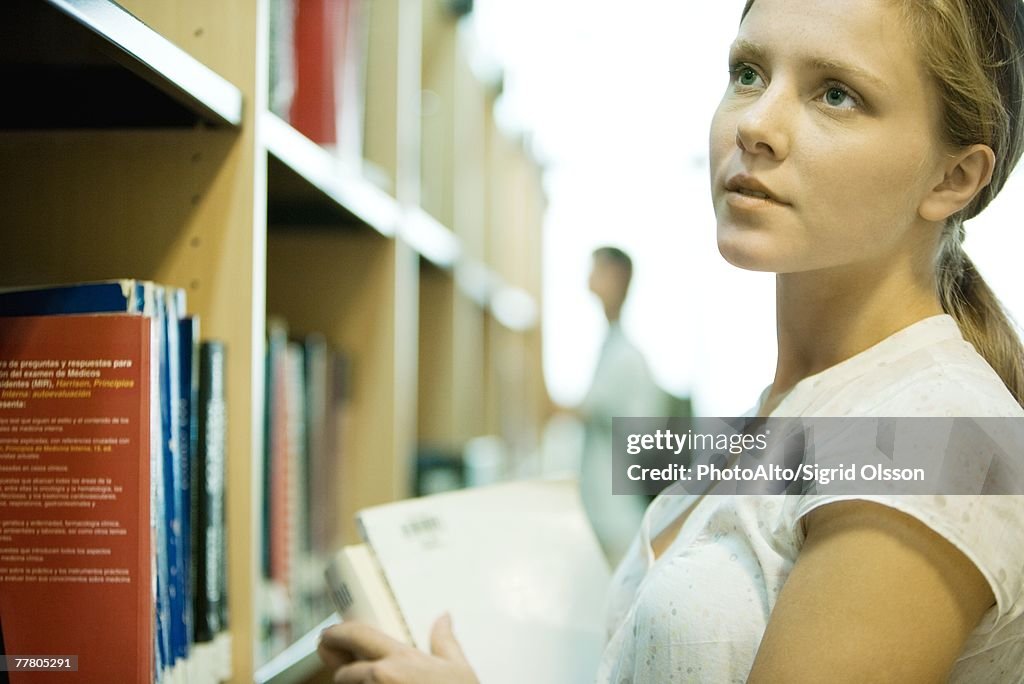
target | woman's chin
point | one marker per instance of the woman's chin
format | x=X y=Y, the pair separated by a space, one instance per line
x=741 y=253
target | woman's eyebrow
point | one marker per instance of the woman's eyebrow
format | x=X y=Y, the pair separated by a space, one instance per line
x=747 y=49
x=744 y=47
x=835 y=66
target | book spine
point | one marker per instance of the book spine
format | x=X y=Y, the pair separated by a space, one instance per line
x=339 y=416
x=282 y=56
x=319 y=47
x=279 y=484
x=352 y=106
x=316 y=377
x=161 y=456
x=210 y=594
x=298 y=491
x=174 y=467
x=188 y=430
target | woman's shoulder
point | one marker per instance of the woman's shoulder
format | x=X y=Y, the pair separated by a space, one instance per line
x=946 y=379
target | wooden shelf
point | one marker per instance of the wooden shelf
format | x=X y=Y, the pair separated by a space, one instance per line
x=92 y=64
x=307 y=185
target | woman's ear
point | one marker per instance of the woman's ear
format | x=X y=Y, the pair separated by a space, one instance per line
x=967 y=173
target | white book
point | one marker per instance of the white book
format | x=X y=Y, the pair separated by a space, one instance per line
x=361 y=593
x=517 y=565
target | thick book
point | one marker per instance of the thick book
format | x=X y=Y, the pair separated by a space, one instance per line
x=516 y=565
x=75 y=500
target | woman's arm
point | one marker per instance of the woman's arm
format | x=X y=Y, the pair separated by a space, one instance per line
x=874 y=596
x=360 y=654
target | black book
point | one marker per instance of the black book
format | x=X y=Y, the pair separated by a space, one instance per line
x=210 y=598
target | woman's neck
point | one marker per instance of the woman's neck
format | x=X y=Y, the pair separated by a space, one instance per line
x=825 y=317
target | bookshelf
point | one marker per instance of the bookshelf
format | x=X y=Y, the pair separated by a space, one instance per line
x=143 y=147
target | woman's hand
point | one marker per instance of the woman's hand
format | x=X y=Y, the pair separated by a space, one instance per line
x=360 y=654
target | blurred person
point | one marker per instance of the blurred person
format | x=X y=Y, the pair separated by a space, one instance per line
x=853 y=140
x=622 y=386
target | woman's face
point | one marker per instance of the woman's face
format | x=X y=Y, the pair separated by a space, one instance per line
x=829 y=113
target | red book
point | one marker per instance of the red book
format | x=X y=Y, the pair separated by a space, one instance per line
x=75 y=542
x=320 y=32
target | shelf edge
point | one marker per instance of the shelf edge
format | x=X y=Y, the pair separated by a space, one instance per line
x=156 y=59
x=319 y=168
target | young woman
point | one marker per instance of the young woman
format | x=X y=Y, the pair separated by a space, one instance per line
x=854 y=139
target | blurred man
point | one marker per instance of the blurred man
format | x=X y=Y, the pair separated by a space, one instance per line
x=622 y=387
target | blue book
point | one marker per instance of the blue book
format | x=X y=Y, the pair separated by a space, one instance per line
x=174 y=505
x=109 y=296
x=189 y=403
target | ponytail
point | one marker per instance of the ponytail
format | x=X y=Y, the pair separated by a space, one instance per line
x=982 y=320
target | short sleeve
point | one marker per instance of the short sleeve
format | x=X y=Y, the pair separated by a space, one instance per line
x=988 y=529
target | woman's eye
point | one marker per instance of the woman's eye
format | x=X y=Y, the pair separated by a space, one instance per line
x=748 y=77
x=836 y=96
x=744 y=75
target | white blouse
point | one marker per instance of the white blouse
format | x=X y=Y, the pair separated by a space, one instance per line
x=698 y=612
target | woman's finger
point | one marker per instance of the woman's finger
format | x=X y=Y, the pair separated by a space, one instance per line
x=360 y=672
x=332 y=658
x=443 y=642
x=360 y=640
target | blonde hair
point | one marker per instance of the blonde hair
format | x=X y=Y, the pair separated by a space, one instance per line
x=974 y=51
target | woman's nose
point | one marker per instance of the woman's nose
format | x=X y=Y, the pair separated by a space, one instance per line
x=763 y=126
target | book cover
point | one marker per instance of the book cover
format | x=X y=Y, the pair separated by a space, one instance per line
x=515 y=564
x=75 y=546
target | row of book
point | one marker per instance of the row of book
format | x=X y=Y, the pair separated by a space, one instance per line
x=318 y=56
x=307 y=416
x=112 y=456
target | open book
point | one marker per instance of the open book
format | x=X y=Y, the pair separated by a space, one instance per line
x=517 y=565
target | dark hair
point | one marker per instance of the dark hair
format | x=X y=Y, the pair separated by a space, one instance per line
x=616 y=256
x=974 y=51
